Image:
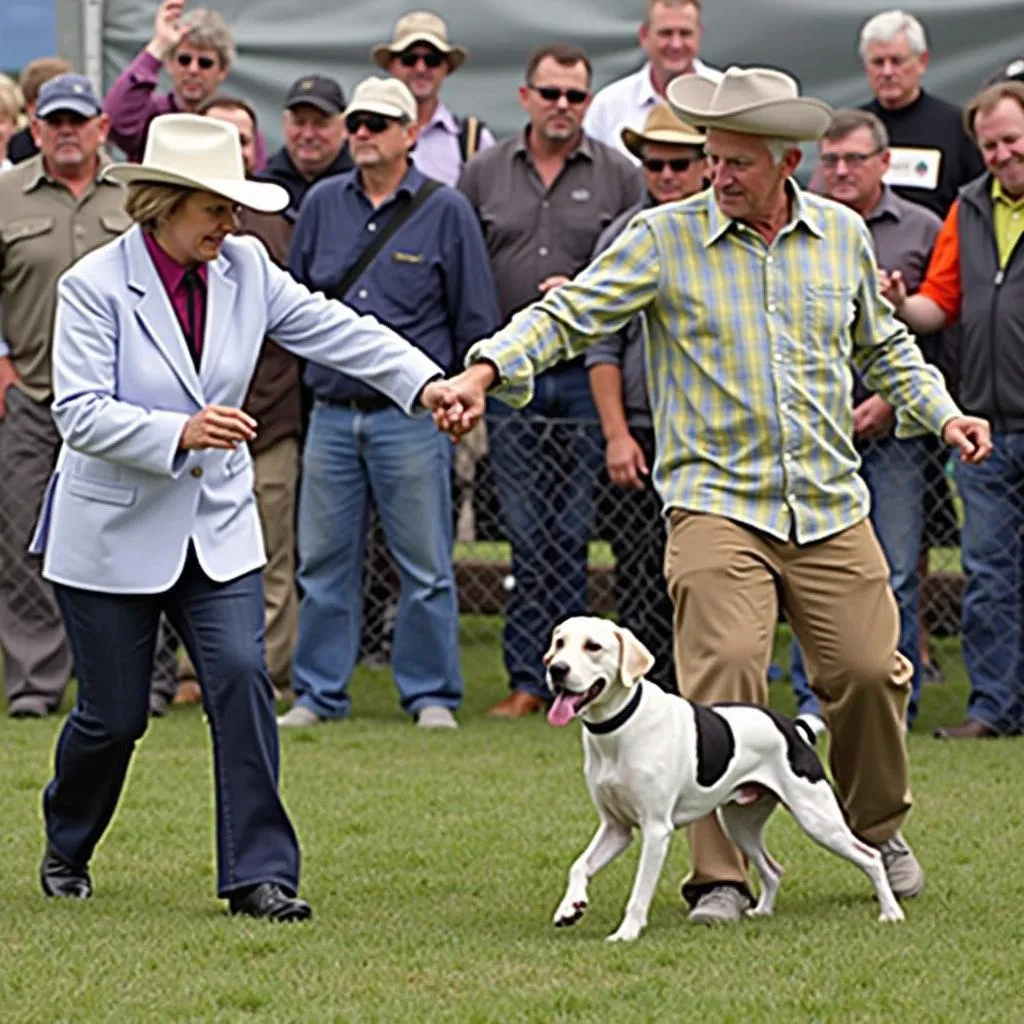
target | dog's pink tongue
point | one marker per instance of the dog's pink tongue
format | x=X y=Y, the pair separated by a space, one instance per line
x=563 y=711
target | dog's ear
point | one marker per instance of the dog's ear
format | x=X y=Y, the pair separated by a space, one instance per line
x=550 y=655
x=635 y=661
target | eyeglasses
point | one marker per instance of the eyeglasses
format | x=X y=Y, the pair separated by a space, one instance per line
x=678 y=164
x=374 y=123
x=831 y=160
x=410 y=58
x=206 y=63
x=552 y=94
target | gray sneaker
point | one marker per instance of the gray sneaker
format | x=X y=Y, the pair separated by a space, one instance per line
x=298 y=717
x=724 y=904
x=436 y=716
x=906 y=876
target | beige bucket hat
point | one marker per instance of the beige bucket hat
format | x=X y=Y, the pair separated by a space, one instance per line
x=203 y=153
x=419 y=27
x=661 y=126
x=756 y=101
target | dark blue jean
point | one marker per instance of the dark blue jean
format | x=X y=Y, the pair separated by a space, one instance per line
x=992 y=541
x=112 y=638
x=894 y=471
x=546 y=459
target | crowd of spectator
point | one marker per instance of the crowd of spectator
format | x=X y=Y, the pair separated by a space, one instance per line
x=418 y=216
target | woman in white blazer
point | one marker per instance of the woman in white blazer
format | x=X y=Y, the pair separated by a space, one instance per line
x=151 y=508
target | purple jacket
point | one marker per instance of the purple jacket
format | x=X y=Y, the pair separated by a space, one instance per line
x=133 y=102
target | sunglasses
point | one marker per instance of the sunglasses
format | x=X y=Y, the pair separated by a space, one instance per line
x=552 y=94
x=374 y=123
x=678 y=164
x=410 y=58
x=206 y=63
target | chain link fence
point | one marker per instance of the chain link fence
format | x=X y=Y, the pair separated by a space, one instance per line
x=599 y=547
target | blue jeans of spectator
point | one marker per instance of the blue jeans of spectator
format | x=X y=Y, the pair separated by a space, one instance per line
x=112 y=639
x=402 y=463
x=894 y=471
x=992 y=541
x=546 y=459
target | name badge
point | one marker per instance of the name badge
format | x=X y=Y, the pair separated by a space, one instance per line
x=914 y=167
x=406 y=257
x=580 y=195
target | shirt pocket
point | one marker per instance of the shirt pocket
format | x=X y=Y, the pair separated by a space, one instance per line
x=115 y=223
x=828 y=316
x=409 y=280
x=21 y=232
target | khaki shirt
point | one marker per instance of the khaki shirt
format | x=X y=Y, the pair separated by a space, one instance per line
x=44 y=229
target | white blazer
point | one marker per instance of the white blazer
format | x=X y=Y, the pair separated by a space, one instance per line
x=125 y=501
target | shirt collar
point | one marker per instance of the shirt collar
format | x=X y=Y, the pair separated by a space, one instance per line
x=803 y=215
x=886 y=207
x=999 y=196
x=409 y=184
x=583 y=148
x=442 y=118
x=645 y=94
x=170 y=272
x=39 y=176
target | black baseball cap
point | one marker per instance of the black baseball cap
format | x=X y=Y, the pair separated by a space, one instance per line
x=316 y=91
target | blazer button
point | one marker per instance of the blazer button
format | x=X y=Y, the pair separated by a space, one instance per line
x=197 y=472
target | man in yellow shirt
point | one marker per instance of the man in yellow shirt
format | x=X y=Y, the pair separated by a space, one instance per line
x=756 y=297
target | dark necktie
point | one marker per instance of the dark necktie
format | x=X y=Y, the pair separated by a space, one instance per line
x=193 y=290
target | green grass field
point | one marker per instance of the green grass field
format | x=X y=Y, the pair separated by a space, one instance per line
x=435 y=861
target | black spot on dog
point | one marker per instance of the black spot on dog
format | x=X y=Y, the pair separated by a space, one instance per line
x=800 y=753
x=716 y=745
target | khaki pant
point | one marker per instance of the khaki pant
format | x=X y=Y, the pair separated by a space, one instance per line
x=726 y=581
x=276 y=472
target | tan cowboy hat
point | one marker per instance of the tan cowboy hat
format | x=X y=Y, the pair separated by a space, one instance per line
x=419 y=27
x=202 y=153
x=661 y=126
x=756 y=101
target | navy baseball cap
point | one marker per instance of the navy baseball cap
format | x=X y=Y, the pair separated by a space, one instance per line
x=68 y=92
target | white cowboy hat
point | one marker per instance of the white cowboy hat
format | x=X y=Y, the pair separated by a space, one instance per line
x=661 y=126
x=419 y=27
x=202 y=153
x=755 y=101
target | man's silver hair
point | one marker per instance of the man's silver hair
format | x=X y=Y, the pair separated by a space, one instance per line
x=779 y=148
x=885 y=27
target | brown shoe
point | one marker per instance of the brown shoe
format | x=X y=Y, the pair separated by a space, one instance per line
x=518 y=704
x=969 y=730
x=188 y=693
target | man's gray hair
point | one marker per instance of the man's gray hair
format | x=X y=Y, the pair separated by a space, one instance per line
x=209 y=31
x=885 y=27
x=779 y=147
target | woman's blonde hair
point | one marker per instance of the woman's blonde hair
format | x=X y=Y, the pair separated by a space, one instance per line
x=149 y=204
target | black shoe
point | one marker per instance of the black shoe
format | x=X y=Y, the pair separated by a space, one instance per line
x=269 y=900
x=59 y=877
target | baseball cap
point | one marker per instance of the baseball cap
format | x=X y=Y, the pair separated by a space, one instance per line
x=316 y=91
x=387 y=96
x=68 y=92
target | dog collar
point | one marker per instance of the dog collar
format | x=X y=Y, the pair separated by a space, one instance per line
x=619 y=720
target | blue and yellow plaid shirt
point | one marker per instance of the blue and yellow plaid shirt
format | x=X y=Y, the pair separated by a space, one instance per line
x=748 y=353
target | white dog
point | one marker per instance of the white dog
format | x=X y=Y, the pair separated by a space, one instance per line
x=656 y=762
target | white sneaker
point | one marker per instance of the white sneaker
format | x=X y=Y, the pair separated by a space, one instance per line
x=298 y=717
x=436 y=716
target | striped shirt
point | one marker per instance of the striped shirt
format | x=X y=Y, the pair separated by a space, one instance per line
x=748 y=352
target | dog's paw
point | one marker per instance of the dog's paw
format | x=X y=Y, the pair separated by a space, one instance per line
x=758 y=912
x=896 y=914
x=569 y=912
x=628 y=931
